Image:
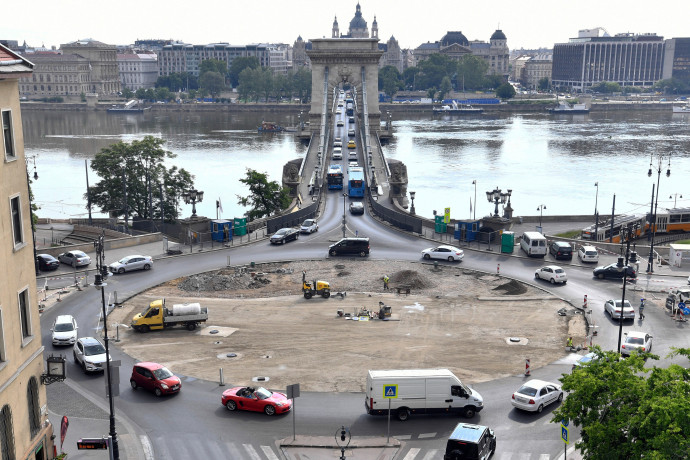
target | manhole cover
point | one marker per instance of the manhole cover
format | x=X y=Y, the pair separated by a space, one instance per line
x=515 y=339
x=231 y=355
x=214 y=331
x=260 y=379
x=217 y=342
x=267 y=356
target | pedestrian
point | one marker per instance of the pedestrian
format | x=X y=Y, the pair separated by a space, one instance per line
x=569 y=343
x=385 y=282
x=641 y=308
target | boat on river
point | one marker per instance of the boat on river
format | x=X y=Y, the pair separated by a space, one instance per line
x=564 y=107
x=270 y=127
x=456 y=109
x=681 y=108
x=132 y=106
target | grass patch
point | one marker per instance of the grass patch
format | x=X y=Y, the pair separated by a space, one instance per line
x=682 y=242
x=571 y=234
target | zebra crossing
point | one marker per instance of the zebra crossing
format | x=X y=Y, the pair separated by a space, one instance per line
x=414 y=453
x=190 y=448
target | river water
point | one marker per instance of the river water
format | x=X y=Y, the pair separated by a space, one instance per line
x=545 y=160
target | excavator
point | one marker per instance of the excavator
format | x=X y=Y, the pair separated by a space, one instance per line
x=310 y=289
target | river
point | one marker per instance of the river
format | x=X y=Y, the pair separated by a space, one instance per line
x=545 y=160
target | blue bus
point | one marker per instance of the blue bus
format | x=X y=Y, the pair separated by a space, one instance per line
x=335 y=177
x=350 y=109
x=356 y=182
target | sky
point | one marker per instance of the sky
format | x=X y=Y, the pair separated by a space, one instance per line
x=526 y=24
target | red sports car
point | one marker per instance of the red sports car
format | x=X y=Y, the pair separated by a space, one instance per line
x=257 y=400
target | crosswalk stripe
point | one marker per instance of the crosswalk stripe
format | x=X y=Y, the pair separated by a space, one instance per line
x=252 y=453
x=268 y=452
x=215 y=451
x=544 y=457
x=431 y=455
x=233 y=450
x=404 y=436
x=411 y=454
x=506 y=455
x=426 y=435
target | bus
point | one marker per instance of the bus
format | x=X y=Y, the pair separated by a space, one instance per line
x=335 y=177
x=356 y=182
x=350 y=110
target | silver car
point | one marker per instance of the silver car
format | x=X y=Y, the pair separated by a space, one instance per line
x=613 y=308
x=75 y=258
x=129 y=263
x=634 y=340
x=90 y=354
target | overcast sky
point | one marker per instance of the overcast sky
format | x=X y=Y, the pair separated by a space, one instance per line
x=527 y=24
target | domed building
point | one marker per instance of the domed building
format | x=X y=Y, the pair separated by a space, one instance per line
x=358 y=26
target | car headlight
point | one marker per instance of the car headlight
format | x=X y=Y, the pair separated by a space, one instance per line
x=164 y=386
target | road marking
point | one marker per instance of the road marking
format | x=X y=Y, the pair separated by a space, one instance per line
x=426 y=435
x=234 y=451
x=404 y=436
x=411 y=454
x=432 y=454
x=506 y=455
x=544 y=457
x=148 y=448
x=252 y=453
x=268 y=452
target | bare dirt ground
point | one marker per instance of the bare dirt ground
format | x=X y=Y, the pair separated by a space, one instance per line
x=453 y=318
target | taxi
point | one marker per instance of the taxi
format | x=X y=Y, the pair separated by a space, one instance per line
x=351 y=144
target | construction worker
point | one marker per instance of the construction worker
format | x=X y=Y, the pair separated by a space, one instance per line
x=641 y=308
x=569 y=343
x=385 y=282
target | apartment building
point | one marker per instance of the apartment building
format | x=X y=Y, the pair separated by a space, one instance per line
x=25 y=432
x=138 y=70
x=186 y=58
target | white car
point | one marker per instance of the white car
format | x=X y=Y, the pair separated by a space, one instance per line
x=309 y=226
x=338 y=112
x=534 y=395
x=74 y=258
x=338 y=144
x=89 y=353
x=449 y=253
x=634 y=340
x=613 y=308
x=588 y=254
x=129 y=263
x=551 y=273
x=340 y=123
x=337 y=153
x=64 y=330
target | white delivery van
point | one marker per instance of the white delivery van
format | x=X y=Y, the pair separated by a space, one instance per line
x=419 y=391
x=534 y=244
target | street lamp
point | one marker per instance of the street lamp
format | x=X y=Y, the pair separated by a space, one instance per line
x=626 y=234
x=596 y=212
x=654 y=204
x=342 y=439
x=412 y=205
x=101 y=275
x=675 y=197
x=541 y=208
x=344 y=222
x=474 y=182
x=497 y=197
x=193 y=197
x=31 y=211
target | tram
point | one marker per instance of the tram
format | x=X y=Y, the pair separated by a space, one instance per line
x=607 y=231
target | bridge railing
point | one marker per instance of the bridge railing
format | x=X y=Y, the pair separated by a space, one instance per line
x=398 y=219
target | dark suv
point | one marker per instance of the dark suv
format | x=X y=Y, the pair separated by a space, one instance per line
x=350 y=246
x=561 y=250
x=470 y=442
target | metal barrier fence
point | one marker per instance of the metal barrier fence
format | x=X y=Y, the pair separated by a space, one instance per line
x=292 y=219
x=398 y=219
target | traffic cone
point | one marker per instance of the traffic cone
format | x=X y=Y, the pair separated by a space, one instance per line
x=527 y=372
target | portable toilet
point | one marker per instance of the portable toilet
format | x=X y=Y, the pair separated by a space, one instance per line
x=240 y=226
x=507 y=242
x=439 y=225
x=221 y=230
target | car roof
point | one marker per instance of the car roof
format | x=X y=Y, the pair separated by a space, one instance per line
x=636 y=334
x=587 y=248
x=562 y=243
x=89 y=341
x=149 y=365
x=468 y=432
x=554 y=267
x=536 y=383
x=447 y=246
x=64 y=319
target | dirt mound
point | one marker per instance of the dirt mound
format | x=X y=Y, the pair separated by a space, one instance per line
x=412 y=279
x=219 y=282
x=512 y=287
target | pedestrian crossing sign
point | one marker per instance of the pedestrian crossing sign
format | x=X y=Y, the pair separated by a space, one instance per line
x=564 y=434
x=390 y=391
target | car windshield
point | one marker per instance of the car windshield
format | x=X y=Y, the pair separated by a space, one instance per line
x=64 y=327
x=591 y=253
x=559 y=270
x=282 y=231
x=95 y=349
x=635 y=340
x=586 y=358
x=162 y=373
x=123 y=260
x=529 y=391
x=308 y=223
x=263 y=393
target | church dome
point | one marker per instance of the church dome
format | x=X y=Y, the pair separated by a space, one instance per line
x=498 y=35
x=358 y=21
x=454 y=37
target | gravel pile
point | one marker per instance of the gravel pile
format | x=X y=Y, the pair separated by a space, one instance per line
x=220 y=282
x=411 y=278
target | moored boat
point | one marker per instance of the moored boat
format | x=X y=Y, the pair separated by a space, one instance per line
x=270 y=127
x=456 y=109
x=564 y=107
x=681 y=108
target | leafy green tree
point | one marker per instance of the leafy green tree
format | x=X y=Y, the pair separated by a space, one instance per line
x=127 y=93
x=409 y=77
x=146 y=94
x=607 y=87
x=140 y=164
x=624 y=414
x=493 y=81
x=505 y=91
x=471 y=71
x=213 y=82
x=163 y=94
x=543 y=84
x=265 y=198
x=281 y=86
x=213 y=65
x=389 y=80
x=445 y=88
x=238 y=65
x=431 y=93
x=672 y=86
x=247 y=84
x=301 y=84
x=433 y=69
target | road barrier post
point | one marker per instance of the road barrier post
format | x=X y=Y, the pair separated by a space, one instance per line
x=527 y=371
x=498 y=269
x=584 y=305
x=222 y=382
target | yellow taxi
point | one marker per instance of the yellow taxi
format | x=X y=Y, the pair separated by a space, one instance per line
x=351 y=144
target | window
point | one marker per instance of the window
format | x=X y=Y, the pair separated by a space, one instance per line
x=34 y=408
x=24 y=313
x=7 y=134
x=17 y=230
x=6 y=434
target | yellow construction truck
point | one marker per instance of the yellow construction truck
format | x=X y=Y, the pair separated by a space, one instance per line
x=310 y=289
x=158 y=316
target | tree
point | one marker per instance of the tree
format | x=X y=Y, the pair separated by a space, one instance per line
x=141 y=165
x=671 y=86
x=212 y=82
x=163 y=94
x=127 y=93
x=445 y=88
x=505 y=91
x=607 y=87
x=409 y=76
x=238 y=65
x=301 y=84
x=430 y=93
x=433 y=69
x=471 y=71
x=265 y=197
x=213 y=65
x=389 y=80
x=622 y=413
x=543 y=84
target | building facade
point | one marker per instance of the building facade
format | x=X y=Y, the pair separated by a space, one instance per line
x=105 y=75
x=299 y=53
x=56 y=74
x=677 y=59
x=626 y=59
x=138 y=70
x=185 y=58
x=536 y=68
x=25 y=432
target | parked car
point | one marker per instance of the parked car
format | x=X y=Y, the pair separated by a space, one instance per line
x=75 y=258
x=470 y=442
x=154 y=377
x=613 y=308
x=130 y=263
x=47 y=263
x=64 y=330
x=534 y=395
x=309 y=226
x=356 y=207
x=634 y=340
x=350 y=246
x=613 y=271
x=89 y=353
x=551 y=273
x=284 y=235
x=561 y=250
x=588 y=254
x=444 y=252
x=257 y=400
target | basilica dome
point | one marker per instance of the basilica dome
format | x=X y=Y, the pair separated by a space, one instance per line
x=454 y=37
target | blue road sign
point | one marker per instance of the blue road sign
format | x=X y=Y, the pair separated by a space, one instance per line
x=564 y=434
x=390 y=391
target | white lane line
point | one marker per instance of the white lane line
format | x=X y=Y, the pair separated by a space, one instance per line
x=431 y=455
x=426 y=435
x=411 y=454
x=252 y=453
x=268 y=452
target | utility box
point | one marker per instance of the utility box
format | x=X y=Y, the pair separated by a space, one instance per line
x=439 y=225
x=221 y=230
x=507 y=242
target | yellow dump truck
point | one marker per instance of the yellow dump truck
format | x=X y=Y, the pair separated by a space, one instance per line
x=158 y=316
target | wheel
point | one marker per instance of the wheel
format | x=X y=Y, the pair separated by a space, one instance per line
x=326 y=294
x=564 y=282
x=332 y=252
x=552 y=281
x=120 y=270
x=269 y=410
x=362 y=254
x=158 y=392
x=307 y=295
x=83 y=366
x=403 y=414
x=191 y=326
x=560 y=397
x=536 y=276
x=450 y=259
x=147 y=266
x=231 y=405
x=540 y=408
x=144 y=328
x=427 y=256
x=134 y=384
x=74 y=355
x=601 y=276
x=469 y=412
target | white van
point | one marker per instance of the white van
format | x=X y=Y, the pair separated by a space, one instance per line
x=534 y=244
x=588 y=254
x=419 y=391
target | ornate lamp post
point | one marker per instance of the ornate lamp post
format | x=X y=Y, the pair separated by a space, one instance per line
x=654 y=204
x=496 y=197
x=596 y=212
x=342 y=439
x=474 y=182
x=345 y=195
x=675 y=197
x=193 y=197
x=541 y=208
x=412 y=205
